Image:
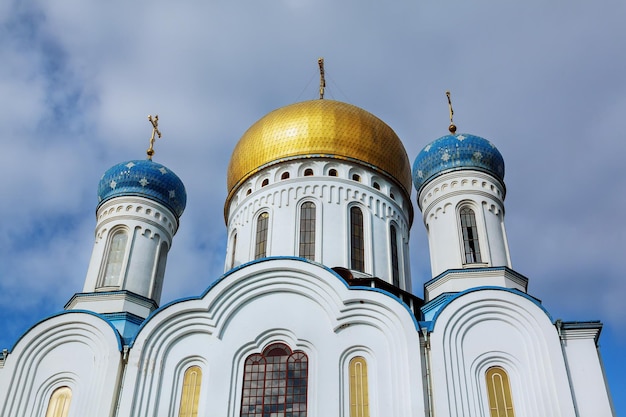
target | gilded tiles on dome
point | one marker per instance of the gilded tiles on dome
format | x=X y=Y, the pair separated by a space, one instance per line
x=322 y=128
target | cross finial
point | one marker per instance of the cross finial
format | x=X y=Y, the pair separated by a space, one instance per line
x=320 y=62
x=452 y=127
x=155 y=130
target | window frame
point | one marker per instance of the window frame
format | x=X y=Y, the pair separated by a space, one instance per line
x=478 y=239
x=233 y=248
x=255 y=248
x=195 y=396
x=398 y=258
x=315 y=226
x=251 y=376
x=507 y=392
x=115 y=231
x=53 y=402
x=351 y=239
x=354 y=385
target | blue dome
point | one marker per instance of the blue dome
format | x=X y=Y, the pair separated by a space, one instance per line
x=144 y=178
x=455 y=152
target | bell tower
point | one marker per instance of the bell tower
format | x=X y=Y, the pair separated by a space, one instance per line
x=459 y=180
x=140 y=204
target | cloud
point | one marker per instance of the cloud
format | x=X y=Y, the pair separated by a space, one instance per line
x=542 y=81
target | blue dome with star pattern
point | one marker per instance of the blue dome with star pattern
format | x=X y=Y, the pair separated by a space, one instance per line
x=144 y=178
x=456 y=152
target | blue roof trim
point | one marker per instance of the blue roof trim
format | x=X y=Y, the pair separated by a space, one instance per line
x=430 y=308
x=261 y=260
x=433 y=322
x=60 y=313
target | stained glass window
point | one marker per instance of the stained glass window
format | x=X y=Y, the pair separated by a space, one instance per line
x=470 y=236
x=359 y=397
x=190 y=396
x=115 y=258
x=307 y=231
x=260 y=248
x=357 y=245
x=275 y=383
x=499 y=393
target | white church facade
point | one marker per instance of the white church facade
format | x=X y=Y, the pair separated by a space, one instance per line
x=315 y=315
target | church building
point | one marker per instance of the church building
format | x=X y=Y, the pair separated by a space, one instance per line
x=314 y=315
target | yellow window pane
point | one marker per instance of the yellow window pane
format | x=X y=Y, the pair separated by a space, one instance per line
x=190 y=396
x=359 y=401
x=59 y=404
x=499 y=393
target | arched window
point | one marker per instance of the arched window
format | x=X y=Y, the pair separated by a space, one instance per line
x=115 y=258
x=332 y=172
x=265 y=182
x=160 y=272
x=190 y=395
x=376 y=185
x=59 y=404
x=359 y=398
x=233 y=250
x=307 y=231
x=395 y=268
x=470 y=236
x=356 y=177
x=308 y=172
x=260 y=248
x=275 y=383
x=284 y=176
x=357 y=244
x=499 y=393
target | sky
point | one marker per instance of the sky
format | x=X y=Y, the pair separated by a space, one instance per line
x=544 y=81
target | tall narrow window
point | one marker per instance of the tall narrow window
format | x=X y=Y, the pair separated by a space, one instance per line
x=357 y=245
x=470 y=236
x=59 y=404
x=115 y=259
x=190 y=396
x=395 y=268
x=233 y=250
x=499 y=393
x=260 y=248
x=359 y=398
x=275 y=383
x=307 y=231
x=160 y=272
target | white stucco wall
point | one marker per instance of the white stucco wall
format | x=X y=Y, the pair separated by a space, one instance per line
x=280 y=300
x=77 y=350
x=333 y=197
x=493 y=327
x=590 y=390
x=440 y=201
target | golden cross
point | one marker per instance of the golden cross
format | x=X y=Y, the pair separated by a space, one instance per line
x=155 y=129
x=320 y=62
x=452 y=127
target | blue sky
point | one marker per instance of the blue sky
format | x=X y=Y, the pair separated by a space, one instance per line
x=543 y=81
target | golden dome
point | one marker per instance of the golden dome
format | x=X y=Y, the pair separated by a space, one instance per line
x=319 y=128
